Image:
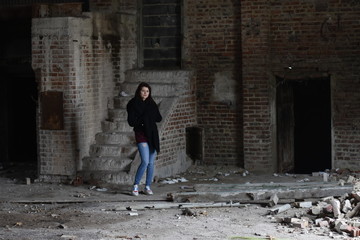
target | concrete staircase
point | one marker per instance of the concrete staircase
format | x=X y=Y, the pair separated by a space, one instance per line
x=114 y=157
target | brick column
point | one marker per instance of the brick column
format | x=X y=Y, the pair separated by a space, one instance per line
x=258 y=153
x=212 y=48
x=68 y=59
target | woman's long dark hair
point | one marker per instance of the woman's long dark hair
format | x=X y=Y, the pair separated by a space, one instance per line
x=138 y=90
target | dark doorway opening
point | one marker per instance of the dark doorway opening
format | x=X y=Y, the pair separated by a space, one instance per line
x=18 y=96
x=304 y=125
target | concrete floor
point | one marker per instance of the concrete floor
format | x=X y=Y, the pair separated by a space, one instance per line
x=101 y=211
x=203 y=184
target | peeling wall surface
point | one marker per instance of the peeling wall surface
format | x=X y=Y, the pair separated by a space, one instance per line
x=79 y=65
x=224 y=88
x=98 y=50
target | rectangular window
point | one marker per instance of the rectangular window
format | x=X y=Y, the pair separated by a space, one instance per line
x=161 y=34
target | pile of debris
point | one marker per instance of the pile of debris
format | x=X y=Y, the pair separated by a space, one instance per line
x=340 y=214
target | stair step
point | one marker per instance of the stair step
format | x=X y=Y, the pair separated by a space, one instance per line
x=113 y=150
x=115 y=126
x=112 y=177
x=111 y=157
x=115 y=138
x=157 y=89
x=117 y=114
x=121 y=102
x=106 y=163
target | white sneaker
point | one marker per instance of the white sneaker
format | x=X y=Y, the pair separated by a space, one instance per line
x=135 y=191
x=148 y=191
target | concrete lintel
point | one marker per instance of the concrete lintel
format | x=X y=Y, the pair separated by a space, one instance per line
x=256 y=192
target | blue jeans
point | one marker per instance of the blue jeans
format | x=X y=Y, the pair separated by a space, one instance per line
x=147 y=163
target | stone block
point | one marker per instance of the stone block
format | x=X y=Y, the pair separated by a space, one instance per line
x=115 y=138
x=336 y=207
x=105 y=163
x=307 y=204
x=316 y=210
x=350 y=179
x=346 y=206
x=296 y=222
x=117 y=114
x=340 y=226
x=273 y=200
x=321 y=222
x=121 y=102
x=116 y=126
x=279 y=209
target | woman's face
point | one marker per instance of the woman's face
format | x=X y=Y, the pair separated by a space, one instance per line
x=144 y=93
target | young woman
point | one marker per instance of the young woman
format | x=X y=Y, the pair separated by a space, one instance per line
x=143 y=114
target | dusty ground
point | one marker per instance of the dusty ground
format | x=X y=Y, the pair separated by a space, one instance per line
x=57 y=211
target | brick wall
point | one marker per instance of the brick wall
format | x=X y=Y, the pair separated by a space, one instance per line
x=300 y=39
x=173 y=137
x=257 y=120
x=112 y=5
x=236 y=50
x=212 y=48
x=79 y=65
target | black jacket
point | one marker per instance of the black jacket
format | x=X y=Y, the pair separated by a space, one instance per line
x=142 y=116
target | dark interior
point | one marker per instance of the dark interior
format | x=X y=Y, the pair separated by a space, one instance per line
x=18 y=142
x=312 y=111
x=303 y=125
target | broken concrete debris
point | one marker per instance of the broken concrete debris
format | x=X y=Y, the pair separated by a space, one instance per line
x=306 y=204
x=62 y=226
x=81 y=195
x=99 y=189
x=192 y=213
x=274 y=199
x=297 y=222
x=279 y=209
x=260 y=192
x=340 y=214
x=216 y=173
x=18 y=224
x=188 y=212
x=77 y=181
x=173 y=180
x=70 y=237
x=337 y=213
x=133 y=214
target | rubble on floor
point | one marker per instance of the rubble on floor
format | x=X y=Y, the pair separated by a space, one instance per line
x=339 y=214
x=332 y=204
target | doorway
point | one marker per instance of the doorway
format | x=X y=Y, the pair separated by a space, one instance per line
x=18 y=95
x=303 y=125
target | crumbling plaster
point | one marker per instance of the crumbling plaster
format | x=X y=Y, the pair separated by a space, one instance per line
x=69 y=58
